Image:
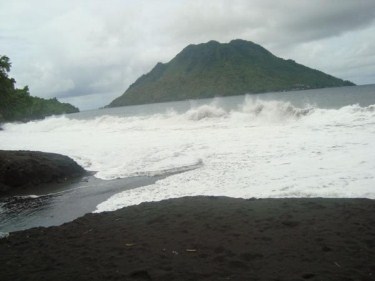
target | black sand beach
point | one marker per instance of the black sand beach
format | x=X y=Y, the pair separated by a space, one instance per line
x=203 y=238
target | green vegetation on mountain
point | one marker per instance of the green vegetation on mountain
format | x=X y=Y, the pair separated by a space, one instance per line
x=18 y=105
x=214 y=69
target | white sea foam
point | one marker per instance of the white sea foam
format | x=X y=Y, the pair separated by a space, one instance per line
x=260 y=149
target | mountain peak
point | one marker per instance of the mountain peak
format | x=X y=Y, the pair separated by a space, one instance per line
x=241 y=42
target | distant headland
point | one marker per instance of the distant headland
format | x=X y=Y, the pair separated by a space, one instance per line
x=19 y=105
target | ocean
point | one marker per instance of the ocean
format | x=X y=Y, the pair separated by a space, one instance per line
x=313 y=143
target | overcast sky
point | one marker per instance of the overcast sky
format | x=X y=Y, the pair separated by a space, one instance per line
x=87 y=52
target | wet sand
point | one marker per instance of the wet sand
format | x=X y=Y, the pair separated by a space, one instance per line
x=203 y=238
x=50 y=205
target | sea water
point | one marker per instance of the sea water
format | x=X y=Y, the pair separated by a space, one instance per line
x=314 y=143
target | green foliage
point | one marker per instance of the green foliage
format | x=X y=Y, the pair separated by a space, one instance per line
x=5 y=66
x=214 y=69
x=18 y=105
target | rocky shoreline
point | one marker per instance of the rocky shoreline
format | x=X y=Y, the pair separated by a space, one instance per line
x=21 y=171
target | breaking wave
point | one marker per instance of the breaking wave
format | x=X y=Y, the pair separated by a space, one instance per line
x=251 y=110
x=204 y=112
x=275 y=109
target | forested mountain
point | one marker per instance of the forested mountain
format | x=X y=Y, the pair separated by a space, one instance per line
x=214 y=69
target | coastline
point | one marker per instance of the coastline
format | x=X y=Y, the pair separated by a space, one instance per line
x=203 y=238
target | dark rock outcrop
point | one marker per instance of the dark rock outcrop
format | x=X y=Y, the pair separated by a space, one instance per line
x=20 y=170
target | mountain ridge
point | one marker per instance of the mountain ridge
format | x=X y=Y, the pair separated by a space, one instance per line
x=222 y=69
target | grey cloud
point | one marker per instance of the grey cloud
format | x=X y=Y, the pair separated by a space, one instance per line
x=77 y=49
x=288 y=21
x=322 y=19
